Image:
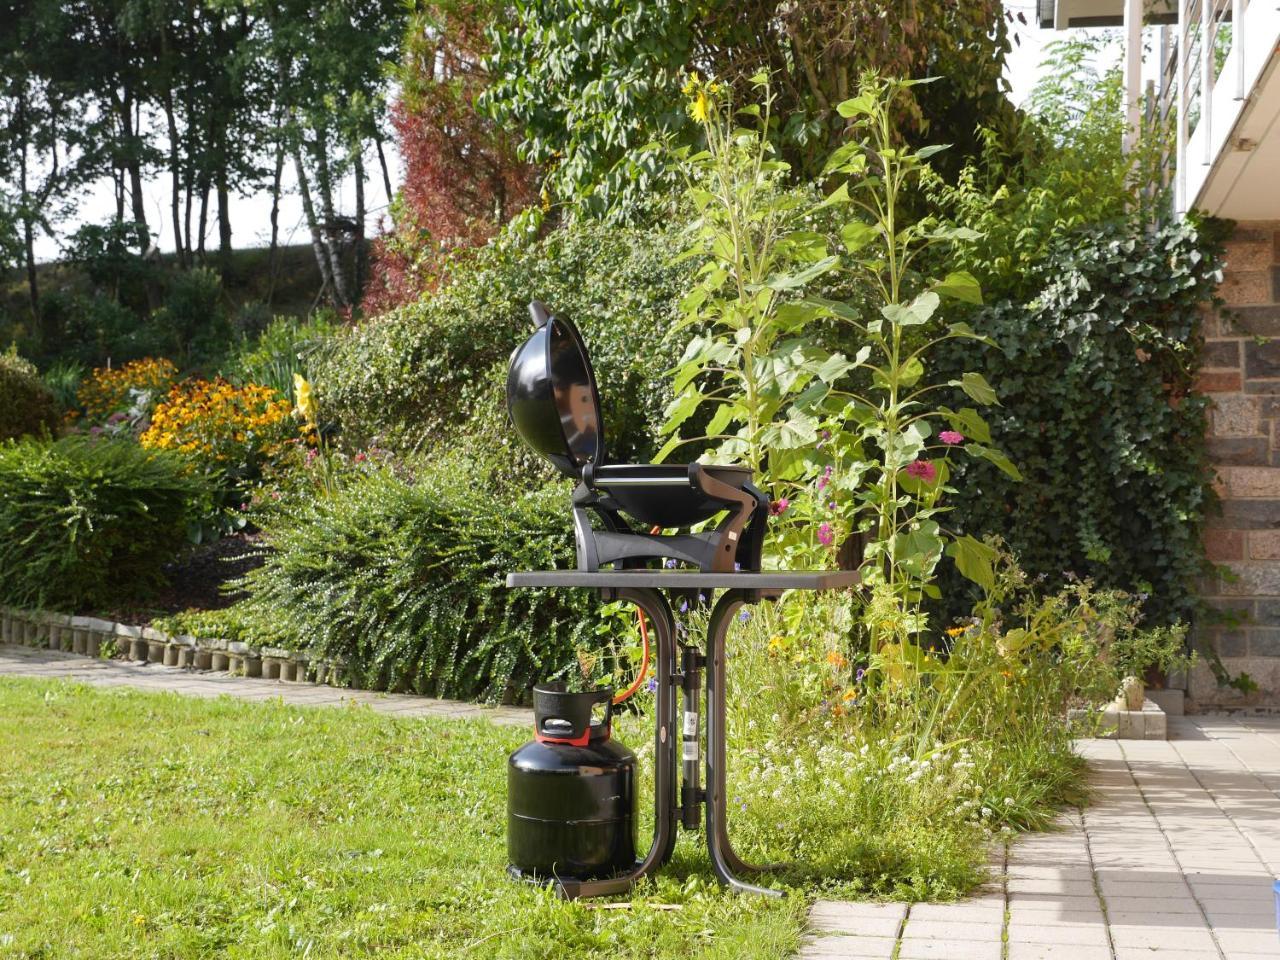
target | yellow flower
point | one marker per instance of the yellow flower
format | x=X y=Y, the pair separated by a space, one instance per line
x=700 y=107
x=305 y=403
x=955 y=631
x=836 y=659
x=690 y=84
x=850 y=694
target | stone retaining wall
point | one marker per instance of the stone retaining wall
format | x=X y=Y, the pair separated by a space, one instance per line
x=92 y=637
x=1241 y=374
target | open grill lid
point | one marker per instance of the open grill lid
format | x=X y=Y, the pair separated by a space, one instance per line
x=552 y=396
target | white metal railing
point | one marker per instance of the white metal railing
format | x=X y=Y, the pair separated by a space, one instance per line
x=1192 y=63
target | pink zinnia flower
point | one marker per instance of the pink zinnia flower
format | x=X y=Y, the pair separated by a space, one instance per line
x=825 y=536
x=922 y=470
x=779 y=507
x=951 y=437
x=824 y=479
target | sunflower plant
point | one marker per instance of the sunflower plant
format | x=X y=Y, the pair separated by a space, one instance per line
x=845 y=444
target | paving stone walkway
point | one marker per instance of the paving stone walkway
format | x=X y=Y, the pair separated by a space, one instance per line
x=1174 y=860
x=32 y=662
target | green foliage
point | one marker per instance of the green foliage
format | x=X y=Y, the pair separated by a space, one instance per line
x=239 y=622
x=590 y=85
x=1094 y=376
x=63 y=380
x=27 y=405
x=193 y=318
x=418 y=375
x=753 y=359
x=774 y=390
x=1075 y=174
x=93 y=329
x=403 y=578
x=88 y=522
x=287 y=347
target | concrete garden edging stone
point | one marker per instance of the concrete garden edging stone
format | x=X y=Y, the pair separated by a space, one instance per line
x=91 y=637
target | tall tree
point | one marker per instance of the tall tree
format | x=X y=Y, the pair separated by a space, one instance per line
x=589 y=99
x=463 y=179
x=49 y=138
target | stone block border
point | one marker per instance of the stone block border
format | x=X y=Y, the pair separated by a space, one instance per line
x=91 y=637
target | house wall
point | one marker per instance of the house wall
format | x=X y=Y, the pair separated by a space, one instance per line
x=1241 y=374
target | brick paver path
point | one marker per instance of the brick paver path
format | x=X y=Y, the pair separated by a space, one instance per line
x=32 y=662
x=1174 y=860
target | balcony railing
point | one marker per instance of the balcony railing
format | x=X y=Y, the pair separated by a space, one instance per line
x=1196 y=58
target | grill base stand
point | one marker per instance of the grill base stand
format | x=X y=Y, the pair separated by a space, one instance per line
x=644 y=589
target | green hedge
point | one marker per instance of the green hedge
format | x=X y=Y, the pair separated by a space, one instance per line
x=1098 y=411
x=402 y=576
x=27 y=405
x=87 y=523
x=420 y=374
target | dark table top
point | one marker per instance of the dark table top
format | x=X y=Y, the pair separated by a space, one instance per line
x=688 y=579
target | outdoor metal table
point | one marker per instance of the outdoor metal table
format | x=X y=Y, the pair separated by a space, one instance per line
x=645 y=589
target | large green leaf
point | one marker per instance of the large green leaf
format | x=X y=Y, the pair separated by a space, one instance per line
x=855 y=235
x=960 y=285
x=996 y=457
x=861 y=105
x=681 y=408
x=974 y=559
x=794 y=281
x=976 y=387
x=918 y=311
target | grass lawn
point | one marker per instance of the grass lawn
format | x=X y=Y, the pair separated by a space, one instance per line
x=143 y=825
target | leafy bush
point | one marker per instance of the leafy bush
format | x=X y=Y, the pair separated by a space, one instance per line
x=417 y=374
x=85 y=522
x=1099 y=412
x=107 y=391
x=287 y=346
x=403 y=578
x=27 y=405
x=193 y=316
x=94 y=329
x=1075 y=174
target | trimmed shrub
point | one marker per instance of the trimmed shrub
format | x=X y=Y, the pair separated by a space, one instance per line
x=88 y=522
x=403 y=579
x=416 y=375
x=27 y=405
x=1098 y=409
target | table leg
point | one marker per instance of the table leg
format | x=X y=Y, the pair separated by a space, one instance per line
x=724 y=861
x=666 y=734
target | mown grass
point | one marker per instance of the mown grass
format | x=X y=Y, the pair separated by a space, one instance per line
x=154 y=826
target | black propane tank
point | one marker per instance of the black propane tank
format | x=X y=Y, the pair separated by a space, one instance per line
x=571 y=799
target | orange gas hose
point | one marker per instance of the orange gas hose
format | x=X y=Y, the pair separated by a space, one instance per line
x=644 y=647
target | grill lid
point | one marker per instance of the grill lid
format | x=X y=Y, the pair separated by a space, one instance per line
x=552 y=397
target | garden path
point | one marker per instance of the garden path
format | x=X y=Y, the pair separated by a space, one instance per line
x=33 y=662
x=1174 y=860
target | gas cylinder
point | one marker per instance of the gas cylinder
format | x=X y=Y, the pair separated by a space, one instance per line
x=571 y=792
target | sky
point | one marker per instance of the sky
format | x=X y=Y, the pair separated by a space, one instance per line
x=250 y=215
